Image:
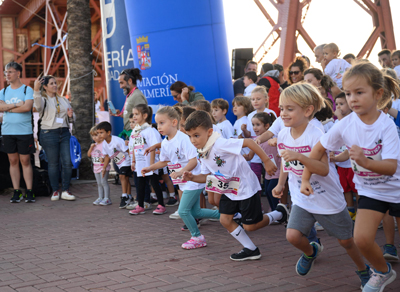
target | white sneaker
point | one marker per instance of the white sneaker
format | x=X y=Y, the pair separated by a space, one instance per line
x=175 y=215
x=318 y=226
x=98 y=201
x=65 y=195
x=105 y=202
x=147 y=206
x=55 y=196
x=132 y=205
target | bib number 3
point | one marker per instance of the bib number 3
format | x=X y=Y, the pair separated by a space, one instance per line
x=222 y=184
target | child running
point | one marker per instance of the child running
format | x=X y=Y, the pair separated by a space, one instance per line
x=96 y=153
x=143 y=136
x=114 y=148
x=225 y=171
x=373 y=144
x=179 y=154
x=298 y=105
x=261 y=123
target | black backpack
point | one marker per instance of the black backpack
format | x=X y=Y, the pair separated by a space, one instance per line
x=41 y=182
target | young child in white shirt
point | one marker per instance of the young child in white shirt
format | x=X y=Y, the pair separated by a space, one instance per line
x=373 y=144
x=225 y=171
x=396 y=62
x=95 y=152
x=220 y=108
x=114 y=148
x=241 y=109
x=143 y=136
x=298 y=104
x=335 y=67
x=249 y=80
x=179 y=154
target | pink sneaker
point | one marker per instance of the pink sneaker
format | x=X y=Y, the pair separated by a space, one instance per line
x=159 y=210
x=195 y=242
x=137 y=211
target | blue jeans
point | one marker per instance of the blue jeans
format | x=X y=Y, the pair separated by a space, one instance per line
x=189 y=209
x=56 y=145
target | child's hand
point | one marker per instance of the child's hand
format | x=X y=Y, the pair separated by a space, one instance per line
x=258 y=140
x=273 y=142
x=103 y=172
x=92 y=145
x=357 y=154
x=133 y=165
x=158 y=151
x=185 y=94
x=101 y=159
x=270 y=167
x=289 y=155
x=126 y=142
x=244 y=127
x=145 y=170
x=306 y=188
x=246 y=156
x=332 y=157
x=187 y=176
x=149 y=149
x=176 y=174
x=277 y=192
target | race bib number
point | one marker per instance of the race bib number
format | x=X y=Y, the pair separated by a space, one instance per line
x=222 y=184
x=296 y=167
x=118 y=157
x=138 y=141
x=176 y=168
x=96 y=161
x=373 y=154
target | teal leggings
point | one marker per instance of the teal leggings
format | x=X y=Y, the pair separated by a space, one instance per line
x=189 y=209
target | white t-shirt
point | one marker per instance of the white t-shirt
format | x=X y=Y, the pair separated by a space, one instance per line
x=335 y=69
x=118 y=151
x=344 y=164
x=255 y=159
x=178 y=151
x=237 y=131
x=327 y=126
x=397 y=69
x=139 y=144
x=278 y=125
x=249 y=89
x=328 y=193
x=379 y=141
x=225 y=158
x=226 y=129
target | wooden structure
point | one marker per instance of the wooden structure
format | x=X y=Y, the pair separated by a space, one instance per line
x=25 y=22
x=291 y=15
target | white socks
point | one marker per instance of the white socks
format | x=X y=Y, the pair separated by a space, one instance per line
x=124 y=195
x=240 y=235
x=172 y=195
x=153 y=195
x=274 y=216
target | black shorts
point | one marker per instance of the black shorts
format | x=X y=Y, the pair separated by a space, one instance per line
x=250 y=208
x=379 y=206
x=21 y=144
x=125 y=170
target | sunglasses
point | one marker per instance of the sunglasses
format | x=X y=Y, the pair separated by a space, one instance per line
x=175 y=96
x=294 y=72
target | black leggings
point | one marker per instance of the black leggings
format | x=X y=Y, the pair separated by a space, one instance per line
x=154 y=181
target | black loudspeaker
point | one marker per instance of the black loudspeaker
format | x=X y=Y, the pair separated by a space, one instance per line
x=239 y=59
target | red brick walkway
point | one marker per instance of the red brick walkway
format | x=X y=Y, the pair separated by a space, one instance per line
x=75 y=246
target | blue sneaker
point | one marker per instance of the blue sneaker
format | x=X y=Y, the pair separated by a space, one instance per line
x=305 y=263
x=364 y=276
x=390 y=253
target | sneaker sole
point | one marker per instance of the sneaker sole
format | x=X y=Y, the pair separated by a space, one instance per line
x=169 y=205
x=390 y=258
x=30 y=201
x=123 y=207
x=173 y=217
x=159 y=213
x=141 y=213
x=246 y=259
x=105 y=204
x=198 y=246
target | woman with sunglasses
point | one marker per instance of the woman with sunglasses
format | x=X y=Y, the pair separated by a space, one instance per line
x=55 y=115
x=296 y=69
x=184 y=94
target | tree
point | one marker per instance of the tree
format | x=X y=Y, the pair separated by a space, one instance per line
x=80 y=64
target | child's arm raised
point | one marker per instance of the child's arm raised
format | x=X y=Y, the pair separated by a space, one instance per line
x=245 y=133
x=189 y=167
x=270 y=167
x=198 y=178
x=154 y=166
x=342 y=157
x=384 y=167
x=89 y=153
x=152 y=148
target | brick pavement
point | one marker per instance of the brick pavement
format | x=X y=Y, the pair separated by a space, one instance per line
x=75 y=246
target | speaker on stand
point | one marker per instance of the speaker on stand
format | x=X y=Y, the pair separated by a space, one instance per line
x=240 y=57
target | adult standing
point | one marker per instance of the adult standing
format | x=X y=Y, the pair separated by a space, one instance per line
x=55 y=114
x=184 y=94
x=16 y=101
x=128 y=83
x=270 y=79
x=238 y=85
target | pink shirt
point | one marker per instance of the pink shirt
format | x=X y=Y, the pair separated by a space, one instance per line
x=272 y=152
x=96 y=155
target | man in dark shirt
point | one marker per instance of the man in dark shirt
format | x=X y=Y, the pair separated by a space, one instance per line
x=238 y=85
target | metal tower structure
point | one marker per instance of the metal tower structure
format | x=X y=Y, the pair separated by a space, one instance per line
x=291 y=15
